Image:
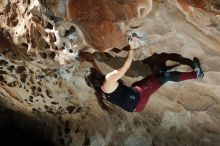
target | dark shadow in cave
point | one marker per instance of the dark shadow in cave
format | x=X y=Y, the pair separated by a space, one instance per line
x=19 y=130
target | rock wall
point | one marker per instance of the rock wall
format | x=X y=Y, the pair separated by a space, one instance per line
x=102 y=19
x=46 y=47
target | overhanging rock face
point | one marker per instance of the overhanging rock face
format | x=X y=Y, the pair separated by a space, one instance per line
x=103 y=19
x=46 y=47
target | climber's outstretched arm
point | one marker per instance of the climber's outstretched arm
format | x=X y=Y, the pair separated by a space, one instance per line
x=111 y=79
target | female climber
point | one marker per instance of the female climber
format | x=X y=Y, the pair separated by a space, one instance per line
x=134 y=98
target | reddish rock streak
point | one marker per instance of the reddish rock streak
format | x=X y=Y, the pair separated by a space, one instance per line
x=98 y=18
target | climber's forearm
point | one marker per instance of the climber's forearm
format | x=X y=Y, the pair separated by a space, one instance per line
x=115 y=75
x=127 y=62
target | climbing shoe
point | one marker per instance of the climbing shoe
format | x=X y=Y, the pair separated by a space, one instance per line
x=198 y=69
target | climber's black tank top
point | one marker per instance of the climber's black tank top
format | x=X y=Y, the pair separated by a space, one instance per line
x=124 y=96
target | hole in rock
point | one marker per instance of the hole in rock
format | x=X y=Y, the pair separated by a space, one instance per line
x=3 y=62
x=1 y=78
x=20 y=69
x=71 y=30
x=70 y=109
x=217 y=6
x=52 y=55
x=142 y=11
x=49 y=25
x=43 y=55
x=39 y=89
x=24 y=45
x=15 y=22
x=87 y=140
x=11 y=68
x=46 y=45
x=52 y=37
x=23 y=78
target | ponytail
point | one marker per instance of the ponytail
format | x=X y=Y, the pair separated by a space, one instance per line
x=95 y=79
x=100 y=98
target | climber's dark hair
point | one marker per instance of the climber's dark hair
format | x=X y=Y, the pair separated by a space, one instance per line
x=95 y=79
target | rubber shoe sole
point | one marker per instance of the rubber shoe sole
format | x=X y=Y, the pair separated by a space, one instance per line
x=198 y=69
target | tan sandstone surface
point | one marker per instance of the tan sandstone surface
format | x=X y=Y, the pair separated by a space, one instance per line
x=47 y=45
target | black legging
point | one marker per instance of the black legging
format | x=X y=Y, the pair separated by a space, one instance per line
x=157 y=62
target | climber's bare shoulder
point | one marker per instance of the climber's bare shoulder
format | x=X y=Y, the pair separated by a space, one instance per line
x=111 y=81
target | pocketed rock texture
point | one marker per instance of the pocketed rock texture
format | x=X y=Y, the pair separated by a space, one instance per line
x=46 y=47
